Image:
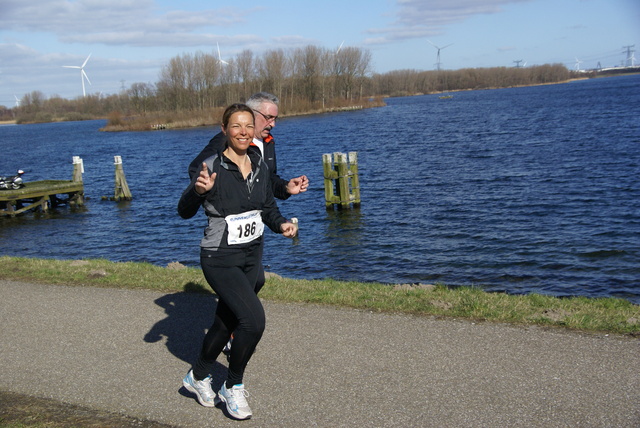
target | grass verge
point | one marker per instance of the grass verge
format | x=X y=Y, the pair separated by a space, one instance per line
x=609 y=315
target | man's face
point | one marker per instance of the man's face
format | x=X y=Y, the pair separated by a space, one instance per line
x=266 y=117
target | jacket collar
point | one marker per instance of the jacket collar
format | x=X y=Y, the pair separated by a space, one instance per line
x=268 y=139
x=254 y=157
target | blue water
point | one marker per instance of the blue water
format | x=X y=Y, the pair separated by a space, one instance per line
x=517 y=190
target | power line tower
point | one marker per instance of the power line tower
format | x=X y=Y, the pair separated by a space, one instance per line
x=631 y=60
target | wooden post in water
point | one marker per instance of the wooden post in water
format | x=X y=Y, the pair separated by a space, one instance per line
x=345 y=176
x=329 y=175
x=355 y=180
x=122 y=191
x=45 y=204
x=343 y=179
x=78 y=169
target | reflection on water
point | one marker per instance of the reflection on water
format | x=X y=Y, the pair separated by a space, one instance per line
x=344 y=232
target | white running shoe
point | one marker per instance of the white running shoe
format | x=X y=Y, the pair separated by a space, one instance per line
x=201 y=388
x=236 y=401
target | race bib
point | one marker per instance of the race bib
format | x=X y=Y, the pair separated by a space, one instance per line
x=244 y=227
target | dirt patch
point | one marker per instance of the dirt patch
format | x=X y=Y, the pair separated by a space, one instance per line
x=556 y=315
x=22 y=410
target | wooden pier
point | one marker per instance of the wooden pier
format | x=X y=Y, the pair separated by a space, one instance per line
x=45 y=194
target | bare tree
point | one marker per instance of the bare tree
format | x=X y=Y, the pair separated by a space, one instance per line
x=228 y=82
x=173 y=83
x=363 y=70
x=198 y=81
x=308 y=62
x=142 y=96
x=273 y=71
x=32 y=102
x=347 y=66
x=246 y=72
x=211 y=71
x=326 y=66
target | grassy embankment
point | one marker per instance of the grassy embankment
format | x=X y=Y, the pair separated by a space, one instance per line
x=609 y=315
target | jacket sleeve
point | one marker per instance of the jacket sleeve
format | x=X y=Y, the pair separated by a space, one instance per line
x=190 y=201
x=271 y=215
x=278 y=185
x=216 y=145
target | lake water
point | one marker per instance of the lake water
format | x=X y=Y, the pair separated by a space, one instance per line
x=517 y=190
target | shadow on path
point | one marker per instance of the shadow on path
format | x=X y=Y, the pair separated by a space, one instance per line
x=189 y=315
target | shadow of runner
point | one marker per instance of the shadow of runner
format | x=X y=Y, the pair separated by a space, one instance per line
x=189 y=315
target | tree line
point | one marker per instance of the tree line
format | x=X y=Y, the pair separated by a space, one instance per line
x=307 y=79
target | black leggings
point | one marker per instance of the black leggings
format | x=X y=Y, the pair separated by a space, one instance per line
x=233 y=277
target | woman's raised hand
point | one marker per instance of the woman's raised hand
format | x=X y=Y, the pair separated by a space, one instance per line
x=205 y=182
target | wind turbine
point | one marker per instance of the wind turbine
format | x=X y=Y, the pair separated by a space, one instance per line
x=17 y=101
x=83 y=75
x=578 y=64
x=220 y=60
x=340 y=47
x=439 y=49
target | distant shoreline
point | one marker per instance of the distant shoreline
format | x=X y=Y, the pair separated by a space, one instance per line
x=202 y=122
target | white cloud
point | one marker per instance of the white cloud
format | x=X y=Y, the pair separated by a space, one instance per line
x=420 y=19
x=294 y=41
x=121 y=22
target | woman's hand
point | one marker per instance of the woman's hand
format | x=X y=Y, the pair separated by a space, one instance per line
x=205 y=182
x=290 y=230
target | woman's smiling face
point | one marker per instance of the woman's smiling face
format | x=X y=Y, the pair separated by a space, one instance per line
x=239 y=130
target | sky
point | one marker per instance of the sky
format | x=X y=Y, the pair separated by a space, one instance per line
x=130 y=41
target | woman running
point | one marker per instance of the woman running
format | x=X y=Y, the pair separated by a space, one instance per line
x=234 y=189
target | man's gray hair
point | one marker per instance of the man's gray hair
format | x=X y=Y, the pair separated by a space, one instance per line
x=256 y=100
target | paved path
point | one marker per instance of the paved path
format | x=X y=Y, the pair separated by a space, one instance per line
x=126 y=351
